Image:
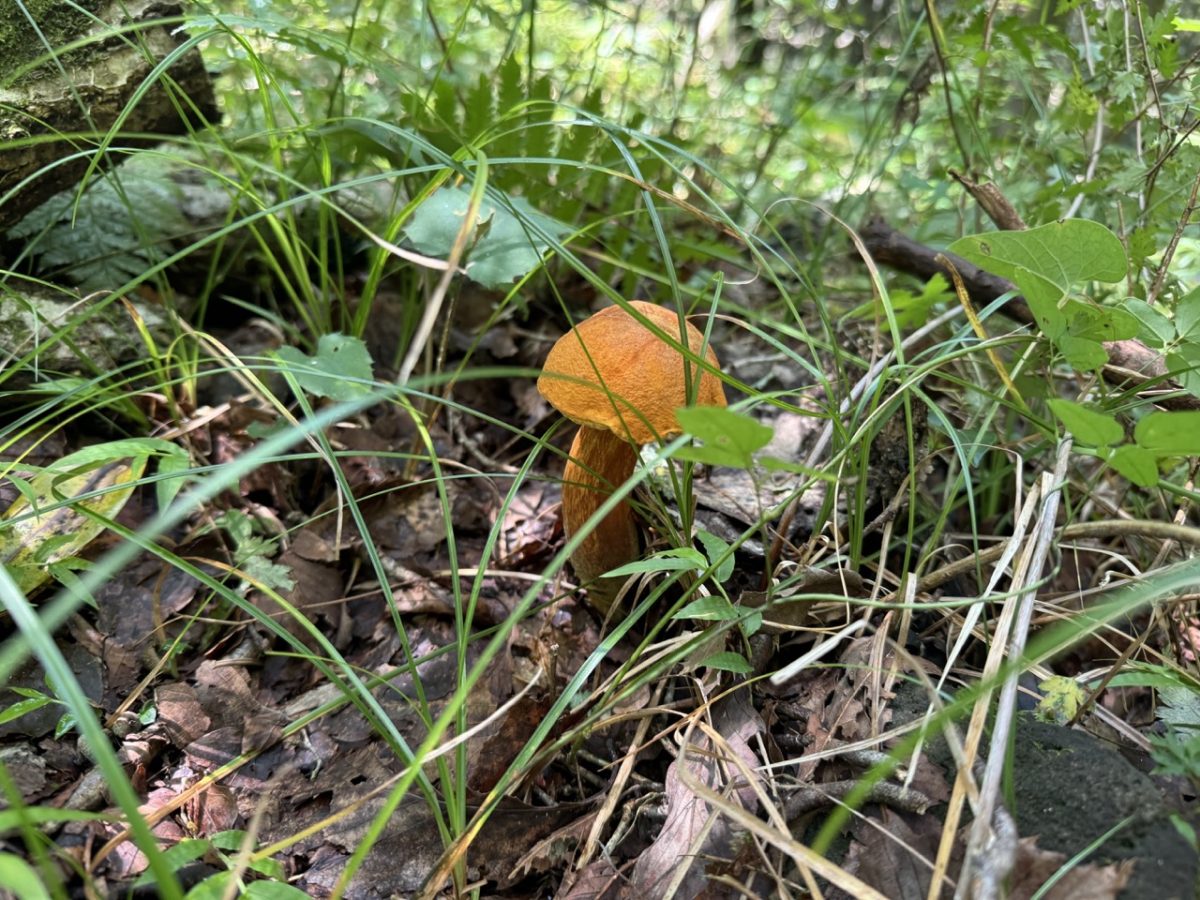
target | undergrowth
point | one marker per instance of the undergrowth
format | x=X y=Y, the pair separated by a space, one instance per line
x=407 y=213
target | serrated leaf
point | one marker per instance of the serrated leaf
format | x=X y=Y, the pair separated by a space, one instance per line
x=1062 y=698
x=730 y=438
x=1174 y=433
x=1136 y=464
x=1180 y=706
x=339 y=359
x=1089 y=426
x=116 y=230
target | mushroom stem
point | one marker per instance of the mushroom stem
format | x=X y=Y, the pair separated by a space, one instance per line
x=599 y=462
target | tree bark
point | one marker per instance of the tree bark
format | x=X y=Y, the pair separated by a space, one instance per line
x=64 y=107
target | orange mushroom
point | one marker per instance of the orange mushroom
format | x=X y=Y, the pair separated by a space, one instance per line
x=622 y=384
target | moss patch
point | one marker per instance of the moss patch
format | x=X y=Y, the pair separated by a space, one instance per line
x=57 y=23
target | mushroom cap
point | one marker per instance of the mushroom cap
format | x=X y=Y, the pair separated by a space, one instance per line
x=628 y=381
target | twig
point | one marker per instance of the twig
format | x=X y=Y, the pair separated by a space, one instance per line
x=986 y=841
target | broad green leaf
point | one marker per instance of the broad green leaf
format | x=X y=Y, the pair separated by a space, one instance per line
x=1184 y=366
x=1100 y=323
x=728 y=661
x=1043 y=297
x=730 y=438
x=682 y=559
x=506 y=246
x=1083 y=354
x=1154 y=328
x=38 y=533
x=1169 y=433
x=328 y=374
x=1136 y=464
x=708 y=609
x=23 y=708
x=1088 y=426
x=1187 y=318
x=1061 y=701
x=714 y=549
x=211 y=888
x=1065 y=253
x=21 y=878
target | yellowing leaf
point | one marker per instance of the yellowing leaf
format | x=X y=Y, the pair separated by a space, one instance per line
x=48 y=525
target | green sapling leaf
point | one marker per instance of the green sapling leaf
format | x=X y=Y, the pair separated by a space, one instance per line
x=1088 y=426
x=728 y=661
x=730 y=438
x=1154 y=329
x=1187 y=318
x=714 y=549
x=338 y=371
x=1169 y=433
x=1136 y=464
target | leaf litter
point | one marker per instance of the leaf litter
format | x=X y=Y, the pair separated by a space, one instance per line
x=242 y=733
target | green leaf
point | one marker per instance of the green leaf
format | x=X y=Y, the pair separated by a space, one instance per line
x=1179 y=706
x=1136 y=464
x=1154 y=328
x=1088 y=426
x=185 y=851
x=21 y=878
x=708 y=609
x=1064 y=253
x=1100 y=323
x=728 y=661
x=23 y=708
x=1062 y=700
x=730 y=438
x=1043 y=297
x=172 y=464
x=1045 y=263
x=682 y=559
x=1187 y=317
x=506 y=251
x=714 y=549
x=38 y=533
x=1184 y=366
x=1083 y=354
x=272 y=890
x=339 y=358
x=1169 y=433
